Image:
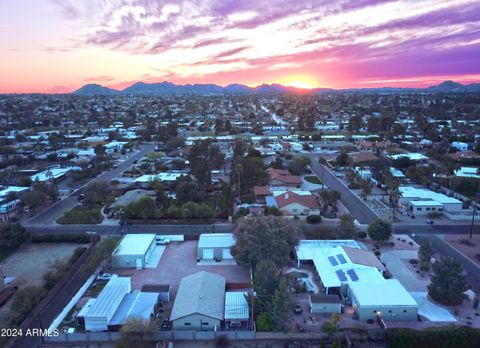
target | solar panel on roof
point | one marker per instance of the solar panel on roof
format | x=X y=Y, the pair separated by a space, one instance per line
x=341 y=275
x=353 y=275
x=332 y=261
x=341 y=259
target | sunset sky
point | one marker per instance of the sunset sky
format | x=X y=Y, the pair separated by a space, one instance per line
x=57 y=46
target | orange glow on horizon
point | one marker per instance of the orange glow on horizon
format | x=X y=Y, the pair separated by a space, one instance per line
x=299 y=81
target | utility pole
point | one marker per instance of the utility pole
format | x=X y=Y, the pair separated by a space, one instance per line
x=474 y=211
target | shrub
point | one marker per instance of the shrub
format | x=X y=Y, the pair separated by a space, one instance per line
x=264 y=323
x=413 y=261
x=61 y=238
x=314 y=219
x=441 y=337
x=362 y=235
x=377 y=252
x=424 y=266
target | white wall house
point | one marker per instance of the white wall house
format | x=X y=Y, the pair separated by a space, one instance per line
x=460 y=146
x=426 y=196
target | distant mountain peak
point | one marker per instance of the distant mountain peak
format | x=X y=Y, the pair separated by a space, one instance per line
x=94 y=88
x=169 y=88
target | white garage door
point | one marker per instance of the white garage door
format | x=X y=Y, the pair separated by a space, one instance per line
x=226 y=254
x=139 y=263
x=207 y=254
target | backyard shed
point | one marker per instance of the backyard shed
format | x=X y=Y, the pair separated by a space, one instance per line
x=236 y=306
x=324 y=304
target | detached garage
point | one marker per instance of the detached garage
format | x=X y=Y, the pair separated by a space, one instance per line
x=134 y=251
x=320 y=303
x=215 y=246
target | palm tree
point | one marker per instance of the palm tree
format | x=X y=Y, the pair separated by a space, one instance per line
x=366 y=189
x=334 y=198
x=237 y=172
x=325 y=197
x=394 y=194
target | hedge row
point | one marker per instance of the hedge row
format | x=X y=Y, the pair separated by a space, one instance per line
x=445 y=337
x=61 y=238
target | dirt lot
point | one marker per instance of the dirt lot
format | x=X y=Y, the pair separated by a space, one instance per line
x=29 y=263
x=465 y=245
x=178 y=261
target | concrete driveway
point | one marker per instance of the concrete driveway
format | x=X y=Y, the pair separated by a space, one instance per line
x=400 y=271
x=431 y=311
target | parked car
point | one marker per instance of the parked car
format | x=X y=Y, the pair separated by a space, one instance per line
x=104 y=276
x=81 y=197
x=165 y=324
x=163 y=241
x=298 y=309
x=430 y=222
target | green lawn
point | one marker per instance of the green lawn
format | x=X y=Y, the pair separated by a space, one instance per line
x=80 y=215
x=313 y=179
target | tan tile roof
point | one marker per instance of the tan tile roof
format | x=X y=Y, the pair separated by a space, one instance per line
x=309 y=201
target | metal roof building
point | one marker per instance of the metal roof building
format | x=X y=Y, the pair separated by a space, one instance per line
x=134 y=305
x=133 y=251
x=215 y=246
x=107 y=303
x=200 y=302
x=236 y=306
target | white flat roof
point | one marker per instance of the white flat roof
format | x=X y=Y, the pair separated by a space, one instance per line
x=135 y=244
x=53 y=173
x=468 y=172
x=216 y=240
x=426 y=195
x=236 y=305
x=161 y=177
x=4 y=192
x=334 y=265
x=388 y=293
x=414 y=156
x=307 y=249
x=426 y=203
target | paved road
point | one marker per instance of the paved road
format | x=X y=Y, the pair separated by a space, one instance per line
x=460 y=228
x=116 y=230
x=353 y=203
x=444 y=249
x=52 y=213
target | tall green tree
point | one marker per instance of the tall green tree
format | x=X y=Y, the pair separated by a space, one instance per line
x=282 y=304
x=448 y=282
x=425 y=252
x=380 y=230
x=265 y=238
x=346 y=227
x=266 y=278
